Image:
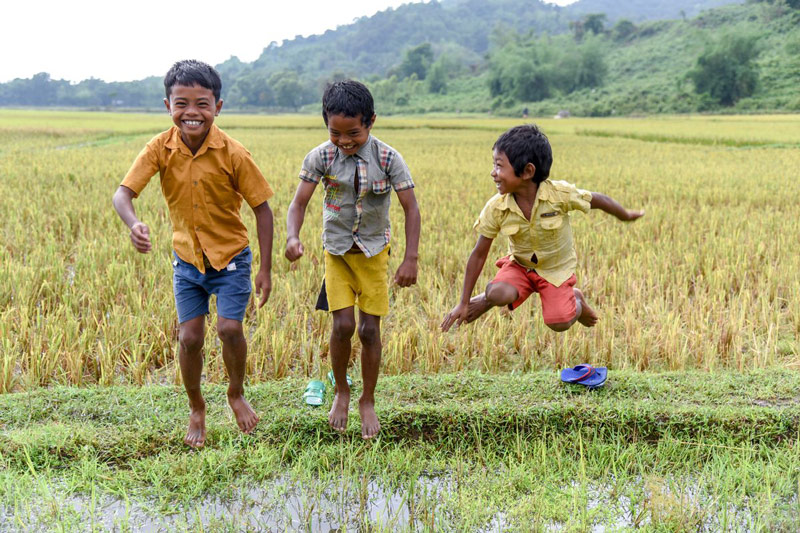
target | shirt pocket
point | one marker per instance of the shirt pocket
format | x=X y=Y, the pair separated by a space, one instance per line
x=509 y=230
x=219 y=189
x=381 y=186
x=551 y=221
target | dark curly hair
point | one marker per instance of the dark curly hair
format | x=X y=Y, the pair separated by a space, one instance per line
x=349 y=98
x=526 y=144
x=191 y=73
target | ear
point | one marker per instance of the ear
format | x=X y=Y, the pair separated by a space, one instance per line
x=528 y=172
x=219 y=108
x=372 y=121
x=166 y=104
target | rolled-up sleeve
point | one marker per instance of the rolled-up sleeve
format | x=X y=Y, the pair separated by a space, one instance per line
x=580 y=200
x=312 y=169
x=399 y=175
x=488 y=223
x=143 y=169
x=571 y=197
x=251 y=183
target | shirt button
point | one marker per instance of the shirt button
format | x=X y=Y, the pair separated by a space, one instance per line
x=195 y=206
x=195 y=182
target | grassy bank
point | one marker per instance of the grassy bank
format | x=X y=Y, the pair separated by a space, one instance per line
x=662 y=451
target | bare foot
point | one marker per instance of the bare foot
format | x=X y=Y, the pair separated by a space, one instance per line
x=588 y=317
x=478 y=305
x=337 y=417
x=369 y=420
x=196 y=434
x=246 y=418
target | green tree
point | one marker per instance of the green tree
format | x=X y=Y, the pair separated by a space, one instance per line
x=287 y=88
x=437 y=78
x=595 y=23
x=623 y=29
x=417 y=60
x=725 y=71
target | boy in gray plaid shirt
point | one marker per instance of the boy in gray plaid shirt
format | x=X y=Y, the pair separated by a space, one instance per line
x=358 y=172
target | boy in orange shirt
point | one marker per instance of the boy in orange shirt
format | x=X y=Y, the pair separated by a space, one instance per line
x=205 y=174
x=533 y=212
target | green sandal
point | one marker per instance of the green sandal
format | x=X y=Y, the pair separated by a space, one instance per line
x=333 y=380
x=314 y=393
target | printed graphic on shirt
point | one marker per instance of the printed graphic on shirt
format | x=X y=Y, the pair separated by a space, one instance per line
x=332 y=202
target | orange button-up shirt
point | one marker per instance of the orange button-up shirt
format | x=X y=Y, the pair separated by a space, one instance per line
x=203 y=191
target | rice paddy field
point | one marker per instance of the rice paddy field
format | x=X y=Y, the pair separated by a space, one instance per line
x=697 y=428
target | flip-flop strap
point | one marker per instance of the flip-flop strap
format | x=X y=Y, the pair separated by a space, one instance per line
x=589 y=372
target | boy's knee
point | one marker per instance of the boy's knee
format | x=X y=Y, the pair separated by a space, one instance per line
x=343 y=327
x=369 y=332
x=230 y=330
x=191 y=341
x=559 y=326
x=501 y=294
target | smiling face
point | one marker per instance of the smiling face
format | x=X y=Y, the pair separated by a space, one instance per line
x=503 y=174
x=193 y=109
x=348 y=133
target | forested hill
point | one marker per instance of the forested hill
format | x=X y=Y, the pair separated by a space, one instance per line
x=593 y=57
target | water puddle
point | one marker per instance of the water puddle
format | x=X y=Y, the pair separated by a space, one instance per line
x=425 y=503
x=282 y=505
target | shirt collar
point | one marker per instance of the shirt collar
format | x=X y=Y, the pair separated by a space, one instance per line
x=509 y=203
x=365 y=150
x=212 y=140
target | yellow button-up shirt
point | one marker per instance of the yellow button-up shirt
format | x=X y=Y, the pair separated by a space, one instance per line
x=543 y=243
x=203 y=191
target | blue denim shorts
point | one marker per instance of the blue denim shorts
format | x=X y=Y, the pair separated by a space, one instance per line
x=232 y=286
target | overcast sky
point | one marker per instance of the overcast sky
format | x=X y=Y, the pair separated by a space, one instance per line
x=75 y=40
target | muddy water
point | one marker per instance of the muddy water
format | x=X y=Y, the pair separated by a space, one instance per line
x=285 y=504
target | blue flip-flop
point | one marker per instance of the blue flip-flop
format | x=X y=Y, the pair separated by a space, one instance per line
x=586 y=375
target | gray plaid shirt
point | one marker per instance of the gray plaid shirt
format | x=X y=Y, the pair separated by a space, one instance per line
x=356 y=204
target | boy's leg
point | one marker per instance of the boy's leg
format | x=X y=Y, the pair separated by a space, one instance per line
x=497 y=294
x=344 y=325
x=585 y=314
x=234 y=353
x=233 y=286
x=564 y=305
x=191 y=302
x=369 y=331
x=510 y=287
x=190 y=356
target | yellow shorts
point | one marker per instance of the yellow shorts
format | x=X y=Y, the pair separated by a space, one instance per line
x=355 y=279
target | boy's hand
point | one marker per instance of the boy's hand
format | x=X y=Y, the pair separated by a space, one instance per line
x=633 y=215
x=406 y=274
x=457 y=316
x=294 y=249
x=263 y=286
x=140 y=237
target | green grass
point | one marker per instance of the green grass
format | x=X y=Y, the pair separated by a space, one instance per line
x=669 y=451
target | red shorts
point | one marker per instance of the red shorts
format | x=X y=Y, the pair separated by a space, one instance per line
x=558 y=303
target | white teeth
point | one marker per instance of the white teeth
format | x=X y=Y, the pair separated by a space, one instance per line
x=192 y=122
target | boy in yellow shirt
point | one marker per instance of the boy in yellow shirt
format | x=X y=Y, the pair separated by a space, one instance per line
x=532 y=211
x=205 y=174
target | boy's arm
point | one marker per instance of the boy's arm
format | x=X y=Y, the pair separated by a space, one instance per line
x=264 y=228
x=474 y=267
x=140 y=233
x=294 y=220
x=612 y=207
x=406 y=274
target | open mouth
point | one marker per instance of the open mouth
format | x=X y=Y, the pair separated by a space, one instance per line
x=347 y=146
x=192 y=122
